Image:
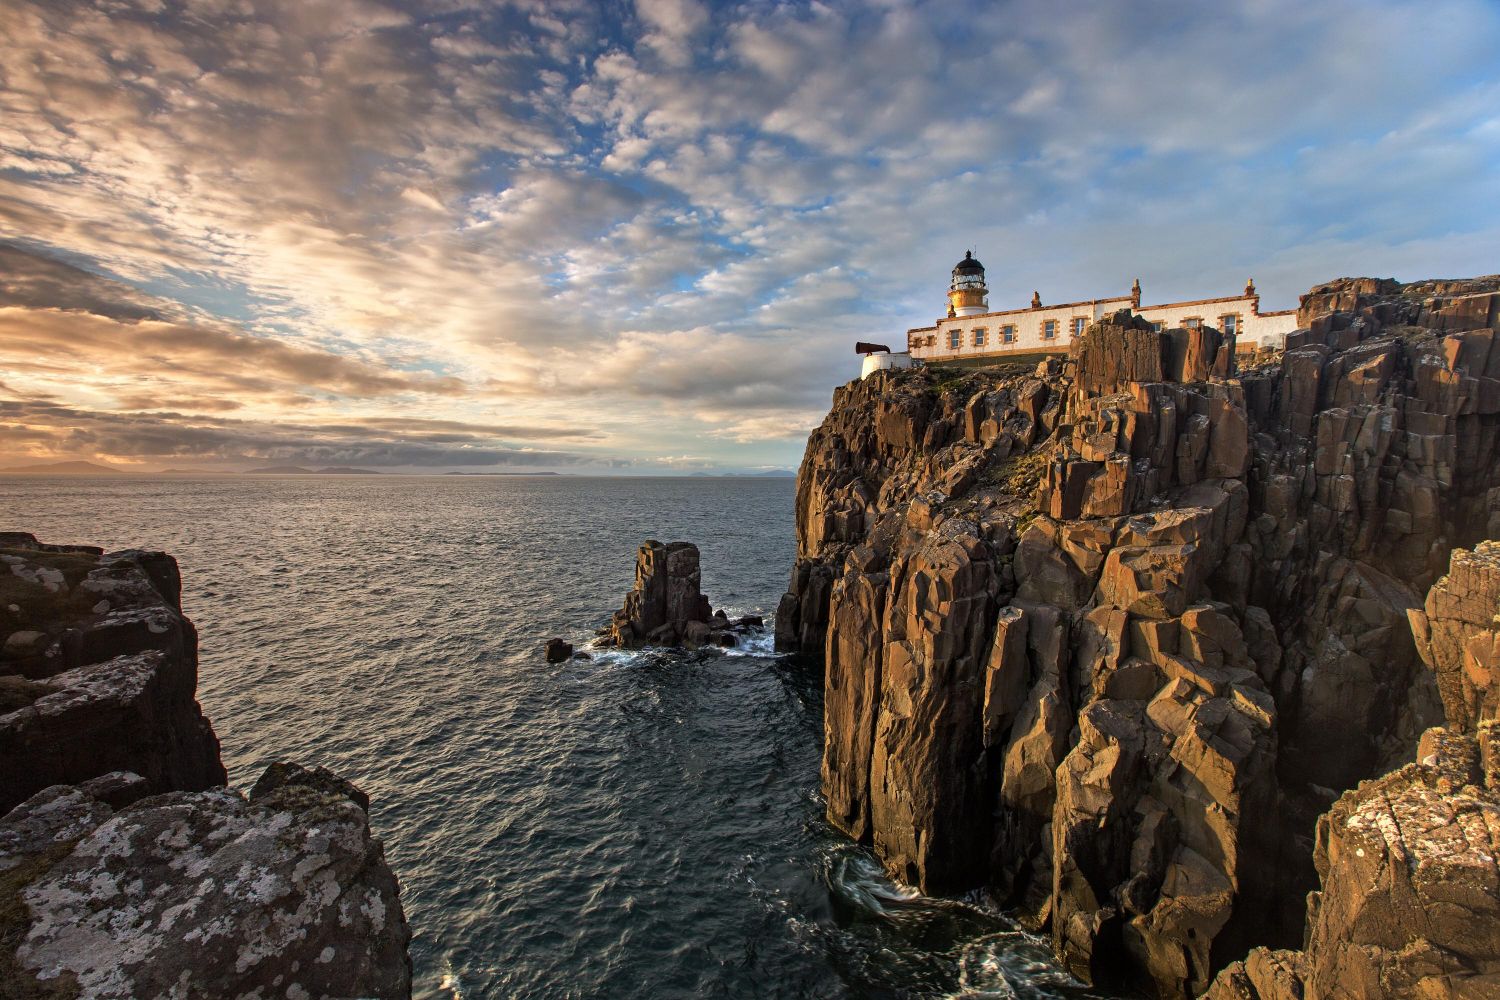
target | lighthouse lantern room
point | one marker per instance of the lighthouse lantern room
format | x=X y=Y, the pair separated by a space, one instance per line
x=967 y=295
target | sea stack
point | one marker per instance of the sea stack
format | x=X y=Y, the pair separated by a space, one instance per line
x=127 y=869
x=1107 y=635
x=667 y=607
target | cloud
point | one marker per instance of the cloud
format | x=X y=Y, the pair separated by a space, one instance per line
x=57 y=321
x=42 y=428
x=677 y=217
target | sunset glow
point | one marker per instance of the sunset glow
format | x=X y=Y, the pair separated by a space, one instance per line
x=643 y=239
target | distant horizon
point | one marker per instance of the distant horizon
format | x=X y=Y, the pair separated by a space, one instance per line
x=46 y=469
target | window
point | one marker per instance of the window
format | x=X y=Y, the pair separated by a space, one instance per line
x=1049 y=330
x=954 y=338
x=1079 y=323
x=932 y=340
x=1007 y=335
x=1193 y=323
x=979 y=337
x=1229 y=323
x=1157 y=325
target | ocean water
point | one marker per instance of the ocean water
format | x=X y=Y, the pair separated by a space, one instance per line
x=642 y=825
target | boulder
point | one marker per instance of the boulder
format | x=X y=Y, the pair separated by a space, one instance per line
x=200 y=893
x=557 y=651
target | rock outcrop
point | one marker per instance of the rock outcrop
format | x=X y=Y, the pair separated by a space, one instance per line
x=667 y=607
x=98 y=671
x=1106 y=637
x=1409 y=863
x=126 y=869
x=1458 y=635
x=199 y=894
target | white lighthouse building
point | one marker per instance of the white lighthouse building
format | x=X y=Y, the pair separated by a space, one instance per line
x=972 y=330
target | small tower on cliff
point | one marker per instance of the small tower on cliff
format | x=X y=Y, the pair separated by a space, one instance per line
x=967 y=295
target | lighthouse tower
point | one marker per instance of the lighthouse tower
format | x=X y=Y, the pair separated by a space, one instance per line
x=967 y=296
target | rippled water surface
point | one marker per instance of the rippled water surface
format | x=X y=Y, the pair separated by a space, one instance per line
x=639 y=826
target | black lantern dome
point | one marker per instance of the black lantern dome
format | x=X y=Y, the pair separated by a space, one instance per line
x=968 y=265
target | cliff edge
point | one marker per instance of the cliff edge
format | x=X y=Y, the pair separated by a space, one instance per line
x=1106 y=637
x=126 y=869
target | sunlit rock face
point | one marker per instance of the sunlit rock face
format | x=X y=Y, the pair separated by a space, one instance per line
x=98 y=671
x=200 y=894
x=1107 y=636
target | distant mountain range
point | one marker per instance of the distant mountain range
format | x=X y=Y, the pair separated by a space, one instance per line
x=768 y=474
x=61 y=469
x=502 y=473
x=297 y=470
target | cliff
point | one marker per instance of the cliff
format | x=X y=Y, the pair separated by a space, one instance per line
x=1409 y=904
x=1107 y=637
x=126 y=869
x=98 y=671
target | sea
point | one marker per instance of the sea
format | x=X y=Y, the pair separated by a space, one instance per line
x=636 y=825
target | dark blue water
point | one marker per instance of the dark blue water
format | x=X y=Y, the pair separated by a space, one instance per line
x=639 y=826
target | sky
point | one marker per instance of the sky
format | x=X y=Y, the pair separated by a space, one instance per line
x=642 y=238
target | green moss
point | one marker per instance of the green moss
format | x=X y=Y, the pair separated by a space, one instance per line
x=1019 y=475
x=15 y=920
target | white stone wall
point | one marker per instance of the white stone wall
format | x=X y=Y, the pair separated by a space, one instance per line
x=1029 y=330
x=1259 y=330
x=1029 y=326
x=1269 y=331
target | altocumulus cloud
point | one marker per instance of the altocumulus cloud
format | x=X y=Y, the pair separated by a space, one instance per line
x=653 y=231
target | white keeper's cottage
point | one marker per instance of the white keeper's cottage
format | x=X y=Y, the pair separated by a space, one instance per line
x=971 y=330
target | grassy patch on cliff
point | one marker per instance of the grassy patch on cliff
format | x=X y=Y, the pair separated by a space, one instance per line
x=1019 y=475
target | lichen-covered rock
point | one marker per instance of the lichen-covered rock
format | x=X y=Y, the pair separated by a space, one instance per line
x=98 y=672
x=1410 y=903
x=202 y=894
x=1106 y=636
x=1410 y=898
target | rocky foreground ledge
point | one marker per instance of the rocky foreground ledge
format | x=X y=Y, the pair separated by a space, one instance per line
x=126 y=869
x=1107 y=636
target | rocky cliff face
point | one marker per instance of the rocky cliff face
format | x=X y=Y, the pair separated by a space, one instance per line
x=1410 y=897
x=126 y=870
x=1108 y=636
x=98 y=671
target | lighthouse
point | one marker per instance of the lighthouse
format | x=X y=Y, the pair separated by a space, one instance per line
x=967 y=295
